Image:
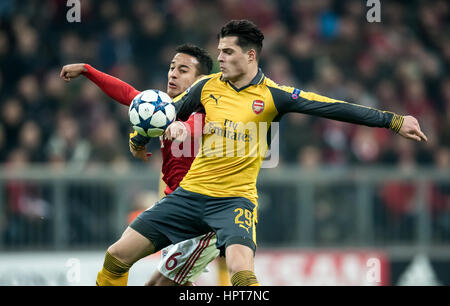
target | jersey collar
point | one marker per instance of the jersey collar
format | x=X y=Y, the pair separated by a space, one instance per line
x=256 y=80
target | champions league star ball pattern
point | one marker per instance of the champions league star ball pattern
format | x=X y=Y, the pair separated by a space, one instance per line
x=151 y=112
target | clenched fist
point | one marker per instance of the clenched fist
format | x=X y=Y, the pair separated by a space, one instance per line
x=71 y=71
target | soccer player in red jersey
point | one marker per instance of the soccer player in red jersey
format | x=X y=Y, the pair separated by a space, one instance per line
x=183 y=262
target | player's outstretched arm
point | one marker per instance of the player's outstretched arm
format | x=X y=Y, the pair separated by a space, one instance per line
x=411 y=129
x=115 y=88
x=289 y=99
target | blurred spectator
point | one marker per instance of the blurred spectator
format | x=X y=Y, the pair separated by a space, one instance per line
x=398 y=200
x=4 y=44
x=444 y=124
x=328 y=226
x=296 y=133
x=2 y=143
x=334 y=135
x=301 y=54
x=27 y=212
x=12 y=119
x=280 y=70
x=365 y=146
x=66 y=147
x=116 y=48
x=70 y=46
x=441 y=197
x=310 y=158
x=30 y=140
x=104 y=147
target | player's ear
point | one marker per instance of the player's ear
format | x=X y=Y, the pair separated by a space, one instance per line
x=251 y=55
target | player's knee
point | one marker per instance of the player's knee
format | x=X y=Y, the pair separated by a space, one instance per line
x=119 y=253
x=113 y=250
x=131 y=247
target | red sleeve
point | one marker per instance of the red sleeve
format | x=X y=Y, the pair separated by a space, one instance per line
x=200 y=119
x=113 y=87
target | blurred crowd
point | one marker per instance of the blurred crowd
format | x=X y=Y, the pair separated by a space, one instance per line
x=400 y=64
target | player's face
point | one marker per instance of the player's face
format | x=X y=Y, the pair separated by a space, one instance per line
x=182 y=74
x=234 y=62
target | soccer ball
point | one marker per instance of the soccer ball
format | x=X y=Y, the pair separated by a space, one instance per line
x=151 y=112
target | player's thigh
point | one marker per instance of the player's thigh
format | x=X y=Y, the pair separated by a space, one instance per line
x=131 y=247
x=233 y=220
x=185 y=261
x=174 y=218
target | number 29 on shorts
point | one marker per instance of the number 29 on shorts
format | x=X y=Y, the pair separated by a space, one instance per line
x=244 y=218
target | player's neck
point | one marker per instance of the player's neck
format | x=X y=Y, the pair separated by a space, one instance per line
x=246 y=78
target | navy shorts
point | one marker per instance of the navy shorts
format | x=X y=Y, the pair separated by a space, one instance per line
x=182 y=215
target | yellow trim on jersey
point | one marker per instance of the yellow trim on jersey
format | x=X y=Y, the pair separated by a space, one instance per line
x=315 y=97
x=396 y=123
x=133 y=134
x=161 y=186
x=255 y=220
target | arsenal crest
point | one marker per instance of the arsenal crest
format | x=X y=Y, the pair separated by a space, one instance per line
x=258 y=106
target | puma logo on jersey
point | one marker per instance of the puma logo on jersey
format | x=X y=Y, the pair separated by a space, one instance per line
x=215 y=99
x=244 y=227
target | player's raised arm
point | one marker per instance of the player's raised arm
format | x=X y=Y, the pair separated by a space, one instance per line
x=289 y=99
x=112 y=86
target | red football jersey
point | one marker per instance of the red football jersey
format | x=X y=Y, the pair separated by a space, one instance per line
x=177 y=157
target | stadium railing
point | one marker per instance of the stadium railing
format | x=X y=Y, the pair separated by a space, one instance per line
x=399 y=210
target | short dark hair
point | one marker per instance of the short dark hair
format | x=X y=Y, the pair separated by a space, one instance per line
x=248 y=34
x=205 y=62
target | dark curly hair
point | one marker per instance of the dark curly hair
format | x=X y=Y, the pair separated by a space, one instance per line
x=205 y=62
x=248 y=34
